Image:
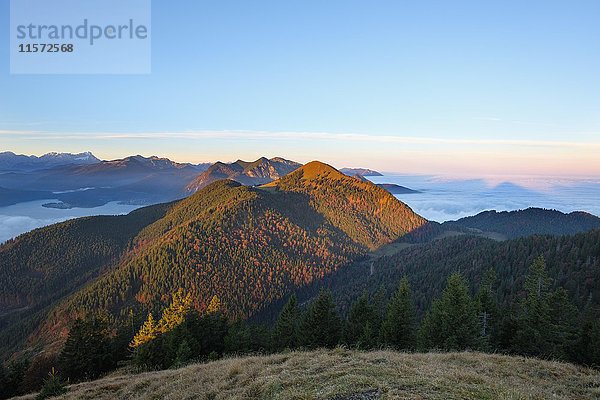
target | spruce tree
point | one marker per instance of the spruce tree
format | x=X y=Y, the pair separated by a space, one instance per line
x=586 y=349
x=380 y=306
x=487 y=308
x=452 y=323
x=87 y=353
x=286 y=330
x=321 y=326
x=534 y=332
x=184 y=353
x=11 y=382
x=398 y=328
x=360 y=328
x=53 y=386
x=563 y=320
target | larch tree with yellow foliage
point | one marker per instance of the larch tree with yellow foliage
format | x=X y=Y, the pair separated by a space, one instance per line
x=176 y=312
x=172 y=316
x=147 y=332
x=214 y=306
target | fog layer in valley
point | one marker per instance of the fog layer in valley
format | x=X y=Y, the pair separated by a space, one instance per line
x=444 y=199
x=23 y=217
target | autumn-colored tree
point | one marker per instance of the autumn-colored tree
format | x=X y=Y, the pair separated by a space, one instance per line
x=175 y=314
x=214 y=306
x=172 y=317
x=147 y=332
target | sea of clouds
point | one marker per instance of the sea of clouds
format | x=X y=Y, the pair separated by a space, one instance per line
x=23 y=217
x=444 y=199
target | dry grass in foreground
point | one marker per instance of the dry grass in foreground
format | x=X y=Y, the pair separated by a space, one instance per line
x=337 y=374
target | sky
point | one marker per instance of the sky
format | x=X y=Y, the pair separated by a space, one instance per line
x=465 y=88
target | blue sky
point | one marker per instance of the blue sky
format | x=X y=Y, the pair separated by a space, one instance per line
x=457 y=87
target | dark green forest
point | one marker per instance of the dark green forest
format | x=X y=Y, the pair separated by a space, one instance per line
x=543 y=322
x=43 y=266
x=573 y=263
x=531 y=221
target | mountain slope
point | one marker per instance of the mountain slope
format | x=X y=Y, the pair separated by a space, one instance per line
x=42 y=266
x=367 y=213
x=249 y=246
x=14 y=196
x=531 y=221
x=352 y=375
x=573 y=263
x=258 y=172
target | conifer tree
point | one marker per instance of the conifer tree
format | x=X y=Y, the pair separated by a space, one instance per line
x=214 y=306
x=53 y=386
x=563 y=320
x=12 y=378
x=487 y=308
x=399 y=327
x=321 y=326
x=184 y=353
x=148 y=332
x=586 y=349
x=87 y=352
x=359 y=329
x=286 y=330
x=534 y=331
x=175 y=314
x=451 y=324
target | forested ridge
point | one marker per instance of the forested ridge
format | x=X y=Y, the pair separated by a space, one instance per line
x=531 y=221
x=573 y=263
x=40 y=267
x=52 y=260
x=367 y=213
x=249 y=246
x=178 y=282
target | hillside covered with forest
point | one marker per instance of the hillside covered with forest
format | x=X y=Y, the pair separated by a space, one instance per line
x=314 y=259
x=248 y=246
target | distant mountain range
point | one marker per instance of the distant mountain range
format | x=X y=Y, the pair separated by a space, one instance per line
x=10 y=161
x=83 y=180
x=259 y=172
x=359 y=171
x=134 y=179
x=397 y=189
